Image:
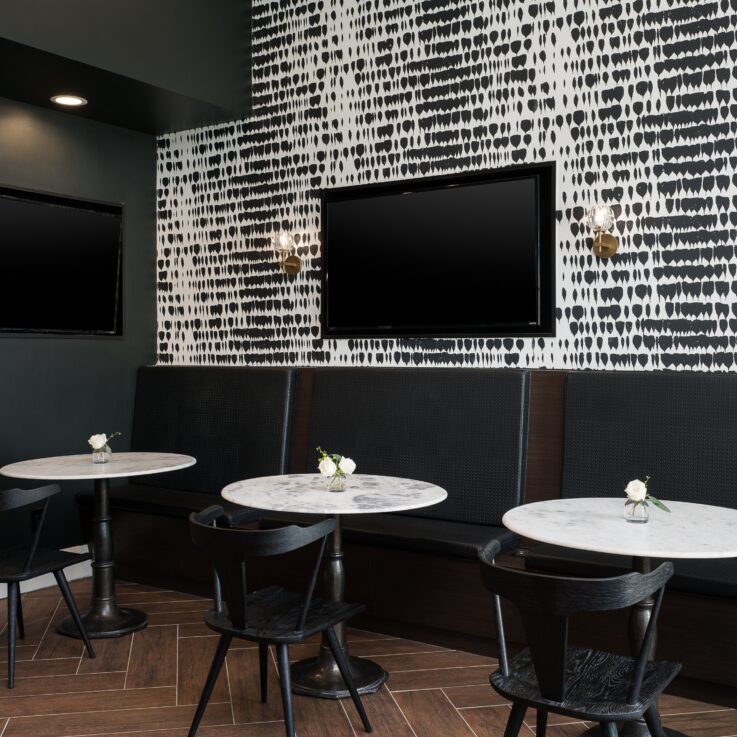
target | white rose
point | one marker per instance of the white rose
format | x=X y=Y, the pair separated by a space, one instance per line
x=98 y=442
x=636 y=491
x=347 y=465
x=327 y=467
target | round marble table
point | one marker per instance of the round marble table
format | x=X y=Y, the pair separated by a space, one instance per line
x=306 y=494
x=688 y=531
x=105 y=618
x=597 y=524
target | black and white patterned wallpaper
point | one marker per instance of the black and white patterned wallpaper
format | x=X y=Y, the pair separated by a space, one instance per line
x=635 y=100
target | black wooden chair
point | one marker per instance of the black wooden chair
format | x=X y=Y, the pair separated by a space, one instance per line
x=271 y=615
x=582 y=683
x=26 y=561
x=230 y=519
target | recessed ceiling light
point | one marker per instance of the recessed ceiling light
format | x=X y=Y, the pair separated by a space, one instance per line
x=69 y=100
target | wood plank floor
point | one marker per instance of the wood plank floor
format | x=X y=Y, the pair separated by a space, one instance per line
x=148 y=684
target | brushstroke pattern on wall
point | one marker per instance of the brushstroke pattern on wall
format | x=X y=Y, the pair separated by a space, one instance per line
x=635 y=101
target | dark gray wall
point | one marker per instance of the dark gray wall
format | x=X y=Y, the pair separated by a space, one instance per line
x=55 y=392
x=199 y=48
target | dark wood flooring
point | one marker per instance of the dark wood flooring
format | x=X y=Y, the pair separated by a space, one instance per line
x=146 y=685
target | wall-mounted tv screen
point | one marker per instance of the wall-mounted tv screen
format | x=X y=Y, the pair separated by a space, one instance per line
x=60 y=265
x=468 y=254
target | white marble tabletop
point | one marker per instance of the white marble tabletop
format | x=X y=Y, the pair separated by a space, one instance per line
x=688 y=531
x=68 y=468
x=306 y=493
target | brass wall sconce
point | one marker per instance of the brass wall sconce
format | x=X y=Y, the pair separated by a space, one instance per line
x=286 y=252
x=601 y=220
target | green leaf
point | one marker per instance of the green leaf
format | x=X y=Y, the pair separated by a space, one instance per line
x=657 y=503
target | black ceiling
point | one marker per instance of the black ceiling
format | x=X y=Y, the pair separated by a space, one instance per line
x=33 y=76
x=153 y=67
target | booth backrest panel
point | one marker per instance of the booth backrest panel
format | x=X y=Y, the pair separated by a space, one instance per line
x=678 y=428
x=235 y=421
x=463 y=429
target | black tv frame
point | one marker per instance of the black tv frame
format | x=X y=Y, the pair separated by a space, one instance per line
x=111 y=208
x=546 y=179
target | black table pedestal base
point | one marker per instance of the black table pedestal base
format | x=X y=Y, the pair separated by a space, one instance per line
x=105 y=618
x=111 y=623
x=320 y=677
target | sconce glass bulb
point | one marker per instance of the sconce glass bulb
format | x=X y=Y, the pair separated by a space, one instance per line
x=283 y=242
x=286 y=252
x=601 y=218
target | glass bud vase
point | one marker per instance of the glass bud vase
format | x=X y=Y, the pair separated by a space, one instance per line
x=101 y=456
x=337 y=483
x=636 y=512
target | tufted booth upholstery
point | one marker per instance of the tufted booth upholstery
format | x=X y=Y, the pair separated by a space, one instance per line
x=463 y=429
x=235 y=422
x=678 y=428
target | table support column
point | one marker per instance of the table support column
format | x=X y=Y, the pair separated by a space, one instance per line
x=641 y=613
x=639 y=620
x=105 y=618
x=320 y=676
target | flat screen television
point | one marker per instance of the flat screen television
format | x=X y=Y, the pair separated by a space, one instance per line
x=60 y=265
x=468 y=254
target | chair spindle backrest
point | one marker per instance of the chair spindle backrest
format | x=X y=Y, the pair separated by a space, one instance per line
x=18 y=498
x=487 y=554
x=644 y=654
x=231 y=549
x=546 y=602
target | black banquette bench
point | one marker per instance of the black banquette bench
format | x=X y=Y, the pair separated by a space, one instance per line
x=678 y=428
x=236 y=427
x=465 y=430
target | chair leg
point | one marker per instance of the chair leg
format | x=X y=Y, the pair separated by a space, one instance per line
x=652 y=719
x=608 y=729
x=21 y=625
x=212 y=677
x=516 y=718
x=541 y=723
x=263 y=665
x=217 y=592
x=285 y=681
x=345 y=670
x=61 y=580
x=13 y=597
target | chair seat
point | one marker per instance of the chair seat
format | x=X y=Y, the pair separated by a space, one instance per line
x=435 y=536
x=160 y=501
x=598 y=685
x=274 y=612
x=46 y=560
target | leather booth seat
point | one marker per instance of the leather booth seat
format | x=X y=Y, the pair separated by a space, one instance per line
x=465 y=430
x=678 y=428
x=462 y=429
x=233 y=421
x=160 y=501
x=440 y=537
x=705 y=577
